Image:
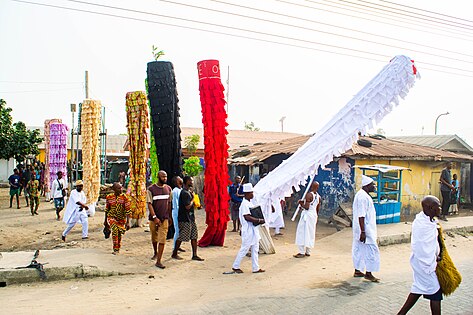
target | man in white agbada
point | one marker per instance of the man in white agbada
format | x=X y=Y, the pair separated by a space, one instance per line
x=249 y=232
x=76 y=211
x=424 y=257
x=276 y=219
x=305 y=233
x=365 y=251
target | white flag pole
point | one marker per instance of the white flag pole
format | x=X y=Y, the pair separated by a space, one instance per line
x=311 y=180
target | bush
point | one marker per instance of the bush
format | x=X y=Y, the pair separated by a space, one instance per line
x=192 y=166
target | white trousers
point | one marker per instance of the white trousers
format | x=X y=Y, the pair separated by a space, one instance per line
x=82 y=219
x=242 y=253
x=304 y=250
x=365 y=256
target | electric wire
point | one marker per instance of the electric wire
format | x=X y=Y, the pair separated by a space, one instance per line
x=336 y=26
x=468 y=27
x=360 y=8
x=251 y=31
x=423 y=10
x=312 y=29
x=239 y=36
x=367 y=19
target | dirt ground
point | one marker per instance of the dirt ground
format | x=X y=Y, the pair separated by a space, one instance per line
x=184 y=283
x=19 y=230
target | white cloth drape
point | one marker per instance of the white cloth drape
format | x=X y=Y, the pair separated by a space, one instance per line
x=369 y=106
x=425 y=249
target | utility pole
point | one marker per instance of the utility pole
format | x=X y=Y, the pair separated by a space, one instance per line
x=73 y=110
x=86 y=84
x=282 y=123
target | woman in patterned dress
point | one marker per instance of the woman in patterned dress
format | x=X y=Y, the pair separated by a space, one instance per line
x=117 y=215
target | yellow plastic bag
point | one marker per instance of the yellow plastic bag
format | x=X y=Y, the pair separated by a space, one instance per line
x=197 y=201
x=448 y=275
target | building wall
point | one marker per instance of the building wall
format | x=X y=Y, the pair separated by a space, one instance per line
x=6 y=169
x=422 y=180
x=336 y=185
x=42 y=155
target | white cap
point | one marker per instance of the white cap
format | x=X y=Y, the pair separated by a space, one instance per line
x=365 y=180
x=247 y=188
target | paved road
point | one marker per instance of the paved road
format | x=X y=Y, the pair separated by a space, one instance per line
x=352 y=297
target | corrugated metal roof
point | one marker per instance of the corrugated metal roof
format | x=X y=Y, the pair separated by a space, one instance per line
x=380 y=149
x=434 y=141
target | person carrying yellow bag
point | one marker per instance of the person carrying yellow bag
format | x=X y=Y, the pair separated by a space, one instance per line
x=433 y=270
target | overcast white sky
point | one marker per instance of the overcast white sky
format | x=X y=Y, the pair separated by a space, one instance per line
x=44 y=52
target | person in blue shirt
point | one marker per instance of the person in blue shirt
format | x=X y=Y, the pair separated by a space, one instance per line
x=236 y=197
x=14 y=181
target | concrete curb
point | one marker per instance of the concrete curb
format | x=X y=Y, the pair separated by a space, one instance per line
x=28 y=275
x=406 y=237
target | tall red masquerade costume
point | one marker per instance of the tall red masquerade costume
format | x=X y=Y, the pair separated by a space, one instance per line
x=216 y=153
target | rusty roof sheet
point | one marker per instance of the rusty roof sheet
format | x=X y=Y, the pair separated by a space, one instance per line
x=380 y=149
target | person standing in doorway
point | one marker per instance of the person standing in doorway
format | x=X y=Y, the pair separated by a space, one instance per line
x=446 y=188
x=58 y=192
x=365 y=251
x=159 y=201
x=455 y=196
x=14 y=181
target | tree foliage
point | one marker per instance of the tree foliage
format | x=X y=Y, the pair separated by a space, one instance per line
x=6 y=130
x=251 y=126
x=192 y=166
x=191 y=143
x=15 y=139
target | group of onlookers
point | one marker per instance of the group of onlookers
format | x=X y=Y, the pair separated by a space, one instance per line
x=28 y=180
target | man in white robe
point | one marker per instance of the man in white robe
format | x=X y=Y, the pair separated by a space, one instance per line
x=365 y=251
x=305 y=233
x=276 y=219
x=425 y=255
x=76 y=211
x=249 y=232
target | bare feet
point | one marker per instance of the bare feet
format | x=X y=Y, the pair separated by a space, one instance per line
x=155 y=256
x=181 y=250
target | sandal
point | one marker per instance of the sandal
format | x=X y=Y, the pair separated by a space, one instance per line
x=160 y=266
x=259 y=271
x=299 y=255
x=237 y=270
x=358 y=274
x=197 y=258
x=372 y=279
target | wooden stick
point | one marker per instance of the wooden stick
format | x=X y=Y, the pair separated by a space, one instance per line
x=303 y=197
